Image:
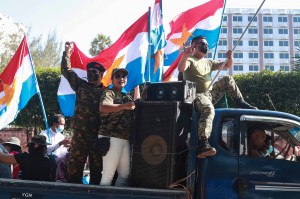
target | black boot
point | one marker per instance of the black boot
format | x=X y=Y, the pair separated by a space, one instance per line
x=205 y=149
x=241 y=103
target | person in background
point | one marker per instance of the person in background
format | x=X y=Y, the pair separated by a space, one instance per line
x=61 y=170
x=5 y=168
x=59 y=144
x=34 y=164
x=196 y=68
x=257 y=142
x=86 y=121
x=13 y=147
x=116 y=113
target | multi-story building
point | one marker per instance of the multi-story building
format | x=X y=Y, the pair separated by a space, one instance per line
x=270 y=42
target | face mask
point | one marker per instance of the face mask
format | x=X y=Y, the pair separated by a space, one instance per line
x=93 y=75
x=60 y=128
x=203 y=49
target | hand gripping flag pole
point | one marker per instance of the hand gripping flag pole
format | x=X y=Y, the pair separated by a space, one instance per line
x=237 y=43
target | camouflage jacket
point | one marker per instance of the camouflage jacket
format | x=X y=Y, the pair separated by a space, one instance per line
x=117 y=124
x=86 y=116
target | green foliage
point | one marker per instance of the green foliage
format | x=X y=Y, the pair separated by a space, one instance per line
x=99 y=43
x=31 y=115
x=296 y=63
x=264 y=88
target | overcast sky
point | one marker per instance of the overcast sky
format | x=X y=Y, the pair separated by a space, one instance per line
x=82 y=20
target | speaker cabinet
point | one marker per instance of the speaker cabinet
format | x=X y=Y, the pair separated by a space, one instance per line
x=183 y=91
x=155 y=159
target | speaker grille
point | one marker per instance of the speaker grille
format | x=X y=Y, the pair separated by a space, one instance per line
x=154 y=144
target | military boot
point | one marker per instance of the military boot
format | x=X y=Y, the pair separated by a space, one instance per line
x=241 y=103
x=205 y=149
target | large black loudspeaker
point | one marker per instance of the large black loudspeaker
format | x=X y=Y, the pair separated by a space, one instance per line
x=183 y=91
x=155 y=159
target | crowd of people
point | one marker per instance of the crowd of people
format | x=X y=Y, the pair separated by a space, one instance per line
x=106 y=115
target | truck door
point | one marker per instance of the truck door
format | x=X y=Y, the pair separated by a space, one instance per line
x=270 y=170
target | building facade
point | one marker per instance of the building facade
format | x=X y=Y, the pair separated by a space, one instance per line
x=270 y=42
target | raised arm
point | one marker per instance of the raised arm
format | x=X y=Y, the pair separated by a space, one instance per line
x=188 y=51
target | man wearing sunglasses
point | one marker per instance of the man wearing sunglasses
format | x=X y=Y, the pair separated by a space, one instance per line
x=197 y=68
x=86 y=120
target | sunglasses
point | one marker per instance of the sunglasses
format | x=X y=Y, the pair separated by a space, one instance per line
x=118 y=76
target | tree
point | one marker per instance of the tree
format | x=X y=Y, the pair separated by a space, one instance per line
x=99 y=43
x=296 y=63
x=47 y=55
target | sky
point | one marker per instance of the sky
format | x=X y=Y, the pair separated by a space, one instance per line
x=81 y=20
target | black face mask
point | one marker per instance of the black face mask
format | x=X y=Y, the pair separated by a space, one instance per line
x=93 y=75
x=203 y=48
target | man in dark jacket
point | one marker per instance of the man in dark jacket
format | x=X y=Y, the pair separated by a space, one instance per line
x=34 y=165
x=86 y=121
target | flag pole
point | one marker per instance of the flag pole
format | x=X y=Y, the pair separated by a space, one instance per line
x=39 y=94
x=237 y=43
x=149 y=44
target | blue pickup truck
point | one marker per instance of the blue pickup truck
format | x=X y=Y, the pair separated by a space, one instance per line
x=231 y=173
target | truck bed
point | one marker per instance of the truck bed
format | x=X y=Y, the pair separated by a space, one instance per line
x=15 y=189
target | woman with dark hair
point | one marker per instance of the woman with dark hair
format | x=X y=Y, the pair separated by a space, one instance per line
x=34 y=165
x=12 y=145
x=116 y=113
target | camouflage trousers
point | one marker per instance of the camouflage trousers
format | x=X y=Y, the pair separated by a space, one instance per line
x=204 y=103
x=80 y=150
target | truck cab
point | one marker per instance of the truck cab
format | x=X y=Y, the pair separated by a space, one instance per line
x=233 y=172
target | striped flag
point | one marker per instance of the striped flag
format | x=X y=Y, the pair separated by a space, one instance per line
x=203 y=20
x=18 y=84
x=129 y=51
x=158 y=42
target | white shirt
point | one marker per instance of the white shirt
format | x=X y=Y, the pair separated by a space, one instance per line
x=55 y=138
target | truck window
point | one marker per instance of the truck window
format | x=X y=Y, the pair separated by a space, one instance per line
x=270 y=137
x=228 y=139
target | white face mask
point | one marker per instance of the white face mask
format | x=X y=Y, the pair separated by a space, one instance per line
x=60 y=128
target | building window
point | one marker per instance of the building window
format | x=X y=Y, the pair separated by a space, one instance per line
x=283 y=43
x=284 y=68
x=235 y=41
x=222 y=42
x=284 y=56
x=238 y=55
x=296 y=19
x=252 y=31
x=283 y=31
x=237 y=18
x=296 y=31
x=267 y=19
x=224 y=30
x=268 y=43
x=253 y=67
x=238 y=67
x=297 y=56
x=224 y=18
x=250 y=18
x=270 y=67
x=209 y=55
x=269 y=55
x=222 y=55
x=282 y=19
x=253 y=55
x=297 y=43
x=237 y=30
x=253 y=43
x=268 y=31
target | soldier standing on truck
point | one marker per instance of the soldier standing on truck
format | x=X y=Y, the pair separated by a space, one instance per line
x=86 y=120
x=197 y=68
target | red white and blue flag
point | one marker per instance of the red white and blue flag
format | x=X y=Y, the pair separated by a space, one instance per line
x=129 y=51
x=203 y=20
x=158 y=42
x=18 y=84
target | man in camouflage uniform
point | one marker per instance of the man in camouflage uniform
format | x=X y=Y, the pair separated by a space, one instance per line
x=86 y=121
x=197 y=69
x=116 y=110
